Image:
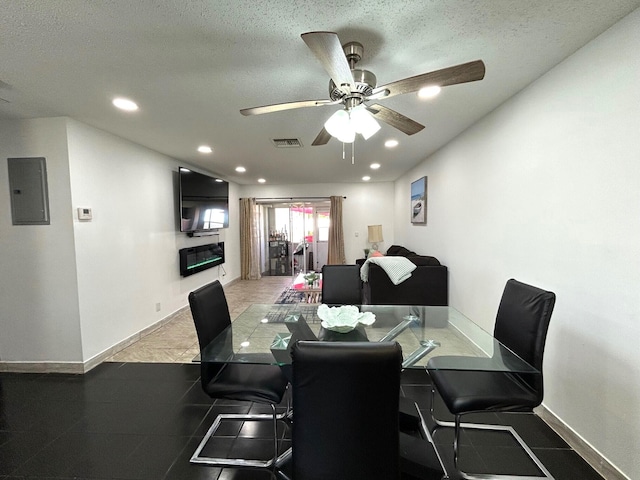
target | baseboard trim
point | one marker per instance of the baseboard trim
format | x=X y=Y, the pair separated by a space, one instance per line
x=231 y=282
x=592 y=456
x=101 y=357
x=84 y=367
x=42 y=367
x=98 y=359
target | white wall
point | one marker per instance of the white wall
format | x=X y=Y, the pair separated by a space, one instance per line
x=73 y=289
x=127 y=255
x=366 y=204
x=39 y=317
x=546 y=190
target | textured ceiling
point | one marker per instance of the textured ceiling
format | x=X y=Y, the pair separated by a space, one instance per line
x=192 y=65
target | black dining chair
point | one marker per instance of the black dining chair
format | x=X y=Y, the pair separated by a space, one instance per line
x=341 y=285
x=345 y=403
x=521 y=325
x=264 y=384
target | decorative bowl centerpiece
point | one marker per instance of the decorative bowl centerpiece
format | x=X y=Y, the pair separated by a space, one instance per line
x=343 y=319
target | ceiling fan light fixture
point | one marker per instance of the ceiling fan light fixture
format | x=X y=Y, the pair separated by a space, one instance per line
x=363 y=122
x=348 y=135
x=339 y=125
x=344 y=125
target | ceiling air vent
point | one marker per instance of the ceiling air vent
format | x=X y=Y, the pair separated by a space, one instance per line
x=287 y=143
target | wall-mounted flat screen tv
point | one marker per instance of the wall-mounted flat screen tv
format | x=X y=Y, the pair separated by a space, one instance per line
x=204 y=202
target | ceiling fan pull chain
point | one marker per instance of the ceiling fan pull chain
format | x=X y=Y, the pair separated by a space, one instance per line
x=353 y=153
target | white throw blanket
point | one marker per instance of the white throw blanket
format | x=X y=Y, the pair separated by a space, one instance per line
x=397 y=268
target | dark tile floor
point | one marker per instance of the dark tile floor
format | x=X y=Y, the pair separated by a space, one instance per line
x=143 y=421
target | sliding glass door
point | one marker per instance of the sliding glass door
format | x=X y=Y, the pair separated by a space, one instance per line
x=297 y=236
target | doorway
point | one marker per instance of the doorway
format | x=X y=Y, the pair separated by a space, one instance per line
x=296 y=237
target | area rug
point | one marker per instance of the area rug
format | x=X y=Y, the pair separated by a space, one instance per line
x=290 y=296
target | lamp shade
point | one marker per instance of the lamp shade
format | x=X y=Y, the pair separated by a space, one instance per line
x=375 y=234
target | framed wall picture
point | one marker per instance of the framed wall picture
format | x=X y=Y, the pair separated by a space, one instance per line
x=419 y=201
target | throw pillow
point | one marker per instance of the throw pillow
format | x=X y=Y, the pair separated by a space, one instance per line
x=424 y=260
x=399 y=251
x=375 y=253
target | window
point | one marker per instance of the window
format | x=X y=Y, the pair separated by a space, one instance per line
x=323 y=225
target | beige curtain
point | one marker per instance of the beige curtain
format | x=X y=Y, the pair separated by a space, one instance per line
x=249 y=240
x=336 y=254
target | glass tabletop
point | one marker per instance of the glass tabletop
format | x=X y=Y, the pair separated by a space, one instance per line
x=264 y=334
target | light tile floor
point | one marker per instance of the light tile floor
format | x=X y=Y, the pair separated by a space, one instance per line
x=176 y=341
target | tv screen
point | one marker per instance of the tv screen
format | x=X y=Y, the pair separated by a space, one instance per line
x=204 y=202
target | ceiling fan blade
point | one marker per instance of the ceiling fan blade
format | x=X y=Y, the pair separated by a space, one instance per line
x=327 y=48
x=395 y=119
x=322 y=138
x=277 y=107
x=463 y=73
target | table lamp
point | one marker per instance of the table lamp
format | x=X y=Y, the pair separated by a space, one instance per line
x=375 y=235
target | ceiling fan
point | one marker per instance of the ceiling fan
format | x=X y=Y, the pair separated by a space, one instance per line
x=355 y=88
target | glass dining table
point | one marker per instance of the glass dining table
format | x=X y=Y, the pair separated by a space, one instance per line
x=264 y=334
x=440 y=336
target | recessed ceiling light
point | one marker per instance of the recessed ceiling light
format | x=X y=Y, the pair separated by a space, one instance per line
x=391 y=143
x=366 y=178
x=241 y=169
x=429 y=92
x=125 y=104
x=205 y=149
x=261 y=180
x=374 y=166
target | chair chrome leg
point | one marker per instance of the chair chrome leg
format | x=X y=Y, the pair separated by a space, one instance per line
x=424 y=431
x=275 y=433
x=456 y=438
x=457 y=425
x=196 y=458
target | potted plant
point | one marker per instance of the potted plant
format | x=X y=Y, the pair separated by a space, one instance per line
x=311 y=277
